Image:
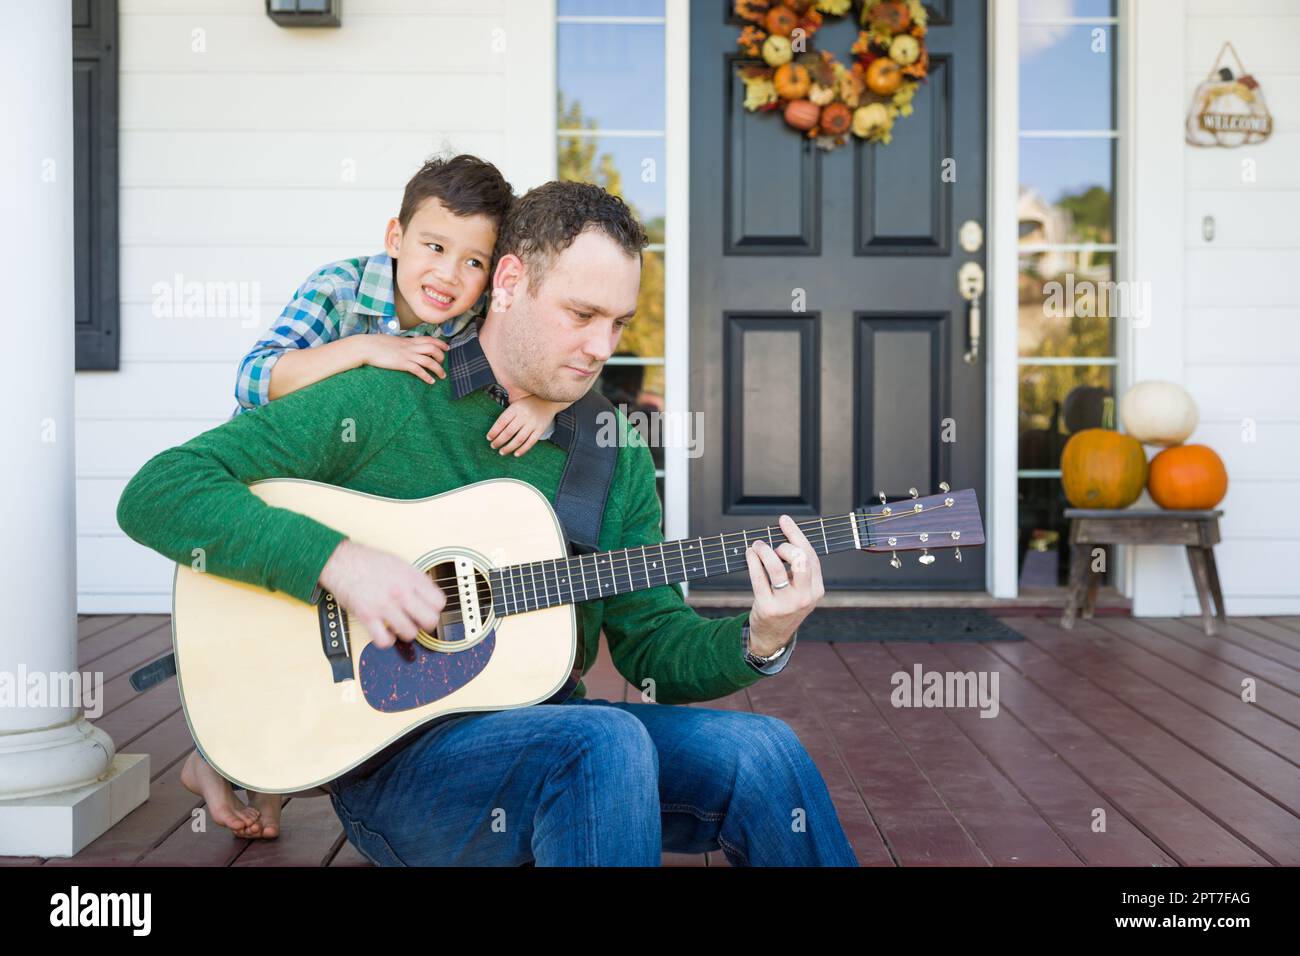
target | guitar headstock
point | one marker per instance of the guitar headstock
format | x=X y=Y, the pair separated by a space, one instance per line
x=950 y=519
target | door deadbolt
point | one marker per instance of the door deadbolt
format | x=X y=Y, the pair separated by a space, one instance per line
x=971 y=236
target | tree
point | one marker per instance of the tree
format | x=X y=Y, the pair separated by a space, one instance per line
x=1044 y=387
x=579 y=160
x=1091 y=212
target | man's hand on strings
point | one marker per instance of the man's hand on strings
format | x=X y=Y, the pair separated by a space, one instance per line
x=787 y=586
x=387 y=596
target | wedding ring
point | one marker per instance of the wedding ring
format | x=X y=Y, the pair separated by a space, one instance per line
x=783 y=584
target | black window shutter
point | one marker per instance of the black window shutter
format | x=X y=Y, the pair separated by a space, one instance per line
x=94 y=110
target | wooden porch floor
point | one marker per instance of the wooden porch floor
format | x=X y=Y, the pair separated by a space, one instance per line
x=1143 y=719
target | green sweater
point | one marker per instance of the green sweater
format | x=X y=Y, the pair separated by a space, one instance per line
x=389 y=433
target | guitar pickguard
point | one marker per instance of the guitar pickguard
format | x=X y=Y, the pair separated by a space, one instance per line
x=410 y=675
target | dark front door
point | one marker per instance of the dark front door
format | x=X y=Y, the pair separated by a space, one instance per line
x=828 y=336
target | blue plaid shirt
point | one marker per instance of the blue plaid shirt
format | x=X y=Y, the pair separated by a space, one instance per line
x=349 y=297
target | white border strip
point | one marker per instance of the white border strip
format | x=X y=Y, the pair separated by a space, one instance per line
x=1003 y=380
x=1074 y=360
x=1153 y=104
x=1029 y=248
x=677 y=258
x=528 y=155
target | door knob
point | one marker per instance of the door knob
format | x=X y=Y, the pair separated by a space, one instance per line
x=970 y=283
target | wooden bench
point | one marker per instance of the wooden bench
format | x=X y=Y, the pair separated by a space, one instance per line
x=1198 y=531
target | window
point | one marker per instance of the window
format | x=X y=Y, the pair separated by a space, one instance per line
x=1067 y=358
x=610 y=71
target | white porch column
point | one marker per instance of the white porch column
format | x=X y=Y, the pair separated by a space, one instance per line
x=60 y=784
x=1156 y=100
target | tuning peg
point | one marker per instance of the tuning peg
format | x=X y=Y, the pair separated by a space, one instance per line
x=894 y=562
x=926 y=558
x=882 y=498
x=943 y=486
x=957 y=554
x=913 y=492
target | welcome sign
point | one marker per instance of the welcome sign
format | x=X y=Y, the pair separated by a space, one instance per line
x=1228 y=110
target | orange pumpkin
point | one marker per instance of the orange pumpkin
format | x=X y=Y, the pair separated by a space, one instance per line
x=1188 y=478
x=884 y=76
x=891 y=14
x=836 y=119
x=802 y=114
x=1100 y=468
x=792 y=81
x=781 y=21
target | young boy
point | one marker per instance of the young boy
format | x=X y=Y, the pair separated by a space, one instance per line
x=393 y=310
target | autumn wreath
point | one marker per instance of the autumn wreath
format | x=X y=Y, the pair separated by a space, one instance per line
x=815 y=92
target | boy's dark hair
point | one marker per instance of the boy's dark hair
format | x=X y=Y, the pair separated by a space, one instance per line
x=544 y=222
x=467 y=186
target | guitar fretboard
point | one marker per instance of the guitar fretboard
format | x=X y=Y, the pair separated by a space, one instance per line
x=590 y=577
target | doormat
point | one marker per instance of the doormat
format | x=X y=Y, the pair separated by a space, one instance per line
x=928 y=625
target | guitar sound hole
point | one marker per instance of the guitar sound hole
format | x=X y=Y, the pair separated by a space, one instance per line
x=450 y=626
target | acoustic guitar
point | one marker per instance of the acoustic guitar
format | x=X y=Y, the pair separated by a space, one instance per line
x=283 y=696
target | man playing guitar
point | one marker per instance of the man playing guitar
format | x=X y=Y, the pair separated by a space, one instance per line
x=582 y=782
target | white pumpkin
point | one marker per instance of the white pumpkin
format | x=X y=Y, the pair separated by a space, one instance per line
x=1158 y=413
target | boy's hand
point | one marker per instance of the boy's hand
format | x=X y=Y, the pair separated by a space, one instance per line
x=404 y=353
x=522 y=424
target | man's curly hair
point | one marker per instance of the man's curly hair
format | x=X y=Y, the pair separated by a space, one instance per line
x=548 y=218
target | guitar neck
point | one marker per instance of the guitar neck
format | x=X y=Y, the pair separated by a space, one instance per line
x=589 y=577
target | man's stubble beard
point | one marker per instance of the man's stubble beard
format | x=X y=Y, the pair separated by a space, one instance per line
x=526 y=352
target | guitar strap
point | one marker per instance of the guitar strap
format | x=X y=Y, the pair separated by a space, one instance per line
x=583 y=491
x=579 y=504
x=588 y=470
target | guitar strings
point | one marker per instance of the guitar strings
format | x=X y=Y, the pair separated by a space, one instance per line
x=706 y=553
x=620 y=563
x=943 y=541
x=456 y=619
x=624 y=563
x=711 y=551
x=545 y=590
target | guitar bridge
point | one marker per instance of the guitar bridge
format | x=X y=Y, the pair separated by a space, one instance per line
x=471 y=616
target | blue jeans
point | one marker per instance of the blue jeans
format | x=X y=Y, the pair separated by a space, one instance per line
x=595 y=783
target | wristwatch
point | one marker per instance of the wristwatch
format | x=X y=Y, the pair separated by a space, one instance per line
x=754 y=658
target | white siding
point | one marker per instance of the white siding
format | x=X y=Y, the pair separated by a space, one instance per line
x=252 y=154
x=1241 y=330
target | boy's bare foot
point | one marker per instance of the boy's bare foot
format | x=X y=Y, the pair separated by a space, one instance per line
x=225 y=808
x=268 y=808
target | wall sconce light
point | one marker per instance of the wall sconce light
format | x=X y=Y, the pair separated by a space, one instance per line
x=305 y=13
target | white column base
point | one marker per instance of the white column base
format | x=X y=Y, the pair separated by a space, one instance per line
x=63 y=823
x=36 y=762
